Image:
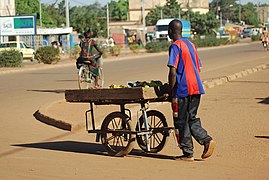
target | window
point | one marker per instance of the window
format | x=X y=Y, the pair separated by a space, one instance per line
x=162 y=28
x=12 y=45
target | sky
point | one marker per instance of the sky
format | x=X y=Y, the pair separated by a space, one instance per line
x=103 y=2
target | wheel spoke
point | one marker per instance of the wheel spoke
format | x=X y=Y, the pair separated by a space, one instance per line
x=157 y=138
x=113 y=137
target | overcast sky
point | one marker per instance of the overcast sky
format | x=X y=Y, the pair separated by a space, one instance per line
x=103 y=2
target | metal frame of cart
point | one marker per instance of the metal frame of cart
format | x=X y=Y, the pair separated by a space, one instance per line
x=117 y=133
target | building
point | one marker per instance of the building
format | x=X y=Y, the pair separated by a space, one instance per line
x=7 y=7
x=135 y=7
x=263 y=14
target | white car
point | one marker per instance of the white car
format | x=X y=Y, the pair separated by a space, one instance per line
x=26 y=51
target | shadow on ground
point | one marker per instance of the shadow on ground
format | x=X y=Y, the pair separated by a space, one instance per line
x=48 y=90
x=263 y=137
x=264 y=100
x=88 y=148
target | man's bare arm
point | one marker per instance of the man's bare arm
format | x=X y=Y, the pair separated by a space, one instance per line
x=171 y=79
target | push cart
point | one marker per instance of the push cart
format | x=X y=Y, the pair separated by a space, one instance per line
x=118 y=133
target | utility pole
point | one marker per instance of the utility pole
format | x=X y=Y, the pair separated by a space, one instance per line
x=239 y=16
x=107 y=20
x=67 y=23
x=40 y=14
x=67 y=13
x=188 y=7
x=144 y=22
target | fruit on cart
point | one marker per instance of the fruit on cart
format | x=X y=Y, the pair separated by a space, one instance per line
x=117 y=86
x=146 y=84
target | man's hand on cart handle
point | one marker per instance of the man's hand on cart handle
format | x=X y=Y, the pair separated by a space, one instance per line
x=166 y=96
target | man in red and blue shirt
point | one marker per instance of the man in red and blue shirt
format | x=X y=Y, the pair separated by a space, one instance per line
x=186 y=89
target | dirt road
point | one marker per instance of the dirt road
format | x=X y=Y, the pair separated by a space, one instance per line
x=234 y=113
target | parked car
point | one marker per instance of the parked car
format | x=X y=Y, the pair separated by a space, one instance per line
x=246 y=33
x=255 y=31
x=26 y=51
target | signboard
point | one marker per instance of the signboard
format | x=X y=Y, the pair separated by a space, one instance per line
x=17 y=25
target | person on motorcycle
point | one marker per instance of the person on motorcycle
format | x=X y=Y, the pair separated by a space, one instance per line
x=87 y=43
x=265 y=38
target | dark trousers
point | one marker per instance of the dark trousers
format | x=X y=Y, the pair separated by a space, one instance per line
x=189 y=125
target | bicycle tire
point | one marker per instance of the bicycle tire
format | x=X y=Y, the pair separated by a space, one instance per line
x=157 y=140
x=83 y=78
x=117 y=144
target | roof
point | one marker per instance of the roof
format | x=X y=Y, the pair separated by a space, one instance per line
x=167 y=21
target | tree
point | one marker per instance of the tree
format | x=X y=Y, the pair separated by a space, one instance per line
x=228 y=8
x=230 y=11
x=249 y=15
x=89 y=17
x=119 y=10
x=27 y=7
x=170 y=10
x=200 y=23
x=154 y=15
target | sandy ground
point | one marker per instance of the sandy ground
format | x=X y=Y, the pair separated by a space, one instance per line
x=235 y=114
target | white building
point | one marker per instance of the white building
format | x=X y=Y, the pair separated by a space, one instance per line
x=7 y=7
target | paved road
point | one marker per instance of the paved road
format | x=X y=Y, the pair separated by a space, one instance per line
x=234 y=113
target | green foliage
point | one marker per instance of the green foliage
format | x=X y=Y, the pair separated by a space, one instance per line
x=170 y=10
x=224 y=41
x=119 y=10
x=256 y=37
x=26 y=7
x=153 y=16
x=89 y=17
x=134 y=48
x=208 y=41
x=248 y=14
x=157 y=46
x=10 y=58
x=230 y=11
x=203 y=24
x=47 y=55
x=115 y=50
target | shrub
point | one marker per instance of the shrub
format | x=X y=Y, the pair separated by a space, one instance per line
x=134 y=48
x=256 y=37
x=10 y=58
x=224 y=41
x=47 y=55
x=208 y=41
x=157 y=46
x=115 y=50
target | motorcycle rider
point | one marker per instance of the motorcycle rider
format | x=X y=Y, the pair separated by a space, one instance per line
x=265 y=38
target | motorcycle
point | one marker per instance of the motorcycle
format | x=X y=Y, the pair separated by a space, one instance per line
x=265 y=46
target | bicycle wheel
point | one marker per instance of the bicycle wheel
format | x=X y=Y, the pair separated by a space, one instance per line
x=83 y=78
x=157 y=139
x=117 y=143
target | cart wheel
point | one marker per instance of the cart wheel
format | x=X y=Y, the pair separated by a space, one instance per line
x=157 y=139
x=117 y=143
